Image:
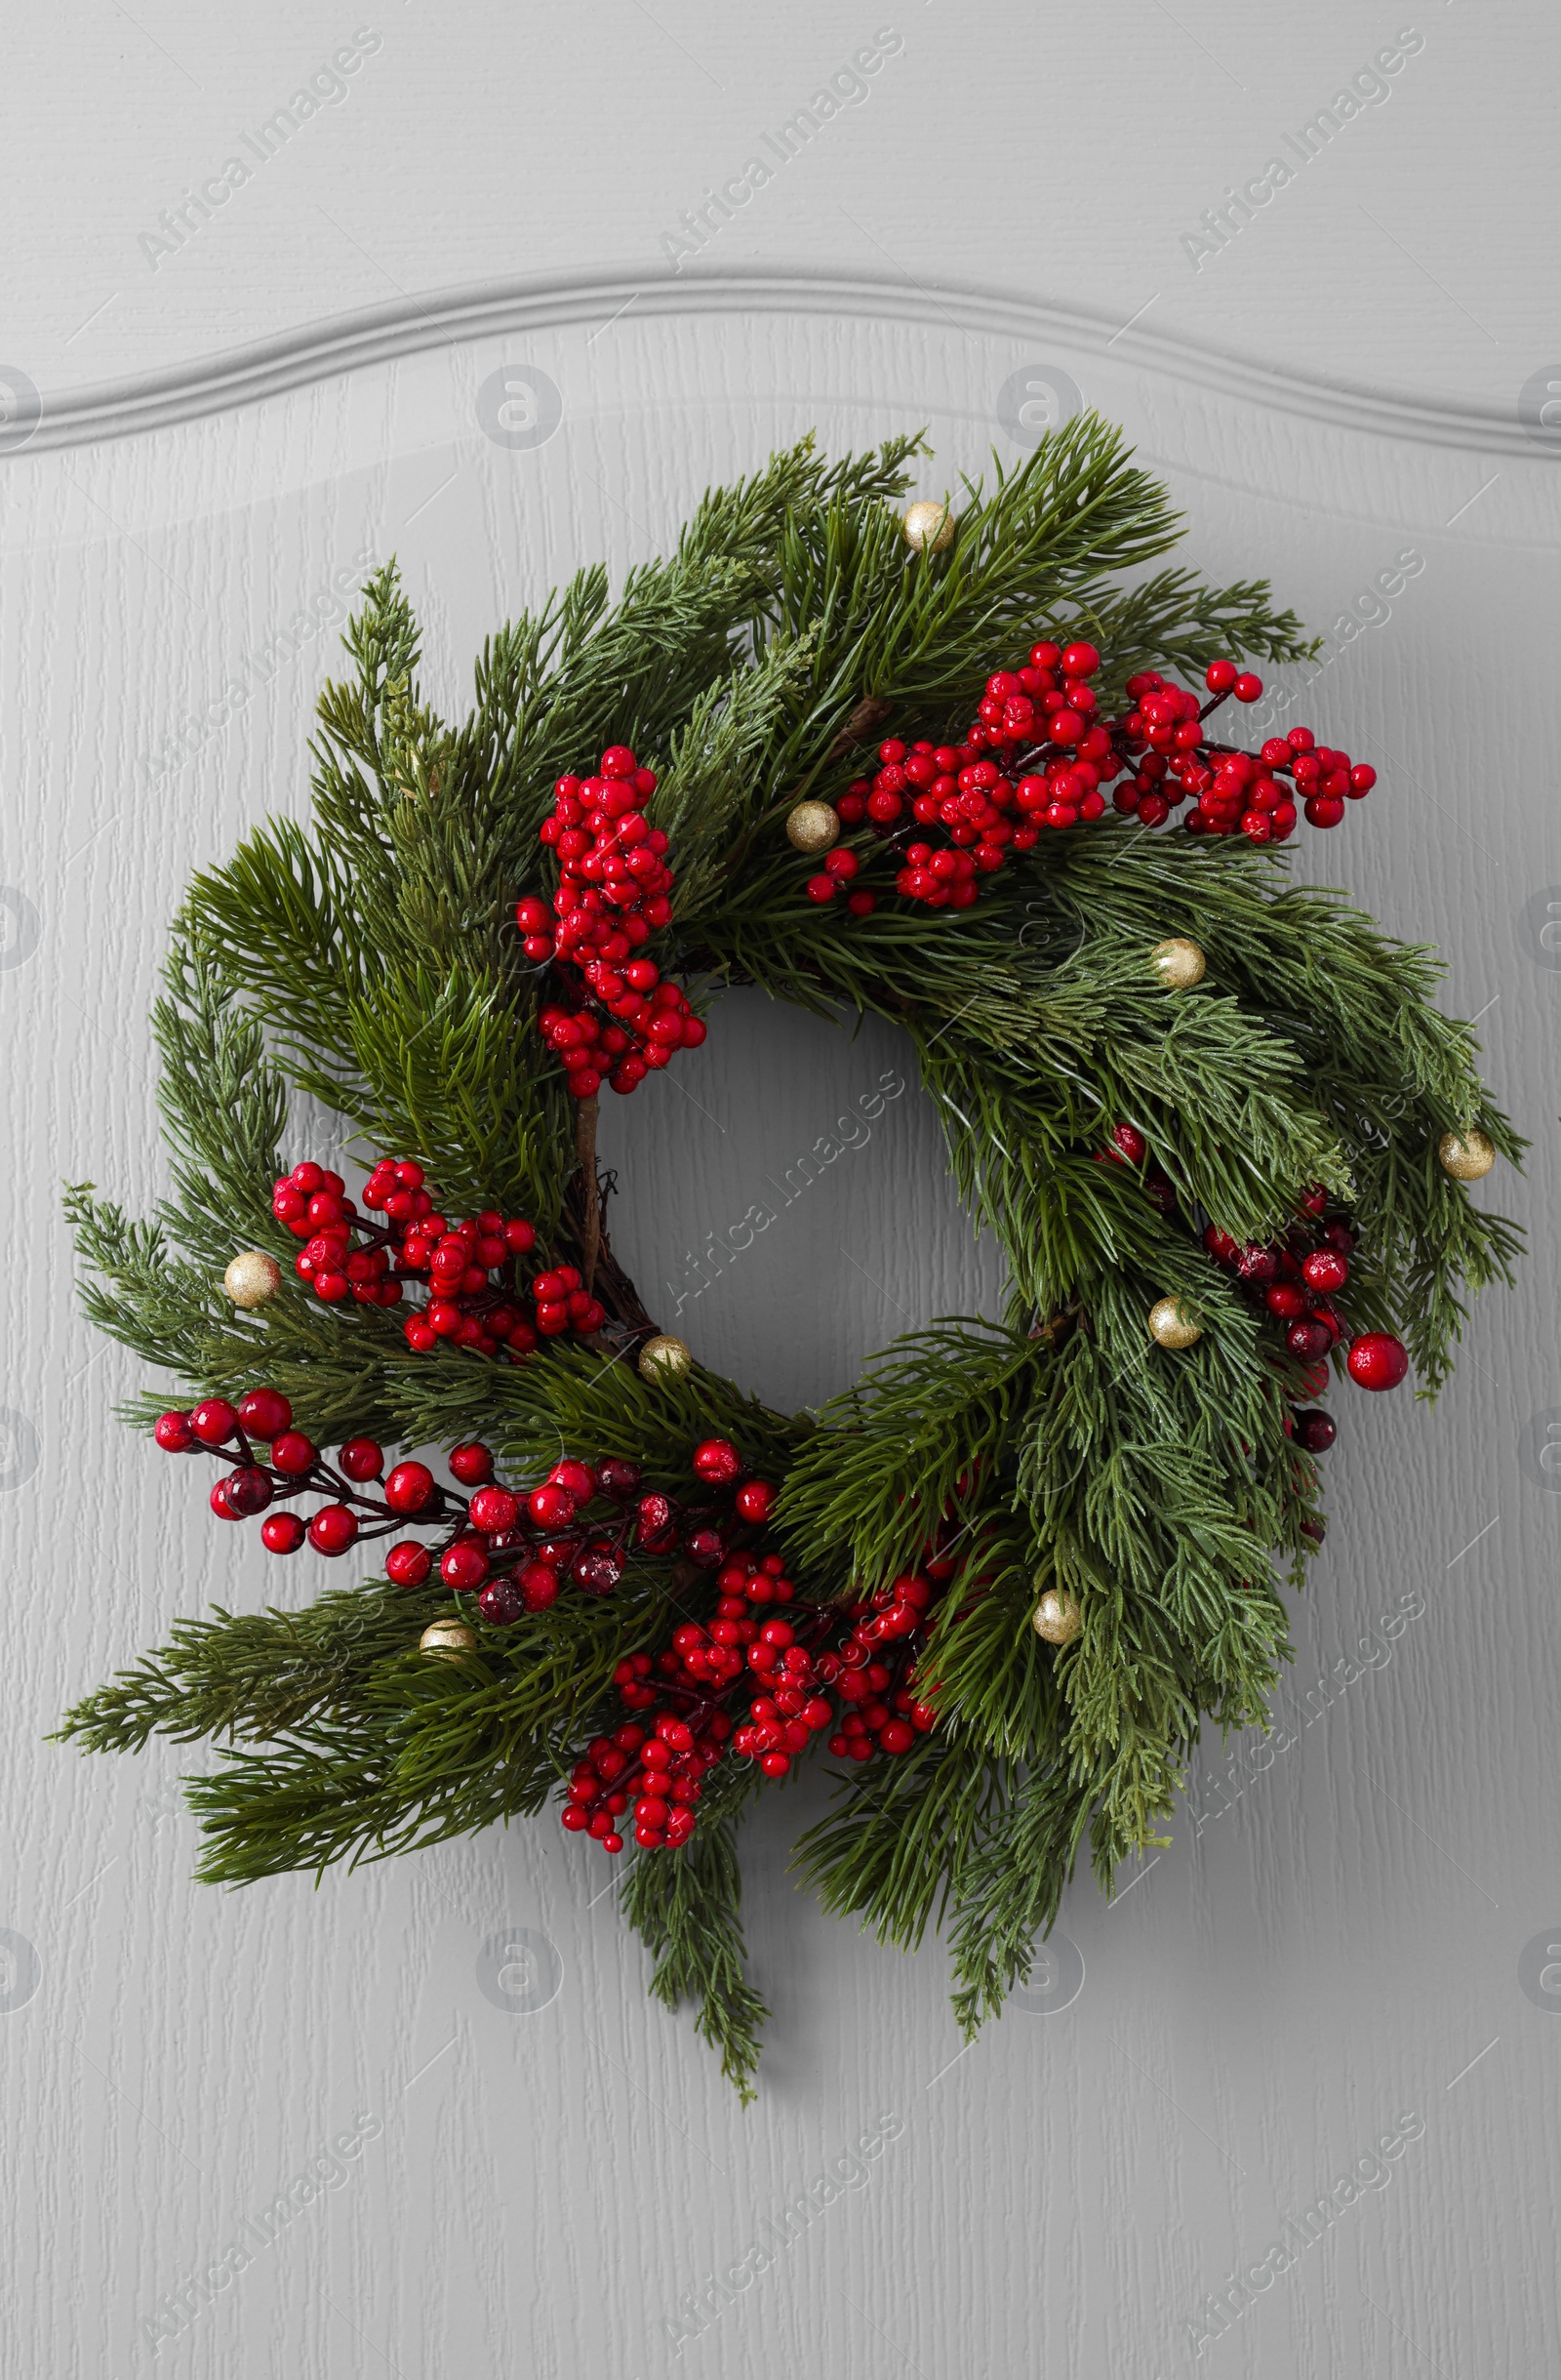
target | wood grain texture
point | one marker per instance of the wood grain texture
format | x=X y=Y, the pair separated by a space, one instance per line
x=1334 y=1934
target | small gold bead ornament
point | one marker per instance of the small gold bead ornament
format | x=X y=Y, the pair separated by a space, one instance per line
x=1468 y=1156
x=1058 y=1619
x=813 y=825
x=664 y=1358
x=1170 y=1325
x=447 y=1640
x=251 y=1279
x=928 y=528
x=1179 y=963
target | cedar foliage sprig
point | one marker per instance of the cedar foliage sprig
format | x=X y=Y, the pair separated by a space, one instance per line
x=366 y=961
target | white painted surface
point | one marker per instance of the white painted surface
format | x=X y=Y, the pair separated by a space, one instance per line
x=1333 y=1938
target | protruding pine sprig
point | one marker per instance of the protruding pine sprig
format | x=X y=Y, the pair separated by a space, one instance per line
x=685 y=1905
x=1010 y=1887
x=890 y=1849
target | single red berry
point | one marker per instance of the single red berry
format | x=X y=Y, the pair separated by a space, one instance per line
x=579 y=1477
x=597 y=1570
x=550 y=1507
x=718 y=1461
x=332 y=1529
x=265 y=1414
x=172 y=1432
x=1247 y=688
x=408 y=1488
x=617 y=1478
x=471 y=1463
x=464 y=1568
x=1315 y=1431
x=249 y=1490
x=219 y=1503
x=1219 y=676
x=282 y=1532
x=1128 y=1144
x=1326 y=1269
x=361 y=1459
x=408 y=1564
x=293 y=1454
x=757 y=1500
x=1378 y=1360
x=502 y=1603
x=214 y=1421
x=539 y=1586
x=655 y=1521
x=1310 y=1339
x=493 y=1510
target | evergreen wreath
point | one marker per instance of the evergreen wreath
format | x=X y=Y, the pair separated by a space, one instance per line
x=1216 y=1123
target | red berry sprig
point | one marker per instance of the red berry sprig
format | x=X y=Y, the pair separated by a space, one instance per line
x=796 y=1662
x=1039 y=756
x=471 y=1269
x=513 y=1550
x=622 y=1022
x=1295 y=1281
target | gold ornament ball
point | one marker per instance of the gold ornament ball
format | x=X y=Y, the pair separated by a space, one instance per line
x=1058 y=1617
x=252 y=1278
x=664 y=1358
x=1468 y=1156
x=1179 y=963
x=1170 y=1325
x=928 y=528
x=813 y=825
x=447 y=1639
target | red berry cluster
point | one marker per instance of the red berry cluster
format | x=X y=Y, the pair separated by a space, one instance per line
x=1295 y=1280
x=614 y=893
x=312 y=1202
x=789 y=1657
x=1298 y=1280
x=469 y=1267
x=658 y=1769
x=512 y=1550
x=1232 y=790
x=1038 y=755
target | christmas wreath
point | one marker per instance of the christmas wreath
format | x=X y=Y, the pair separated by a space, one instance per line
x=1216 y=1122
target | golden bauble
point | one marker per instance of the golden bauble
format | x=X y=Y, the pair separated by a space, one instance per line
x=1468 y=1156
x=1058 y=1617
x=928 y=528
x=1179 y=963
x=1170 y=1325
x=813 y=825
x=252 y=1278
x=447 y=1640
x=664 y=1358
